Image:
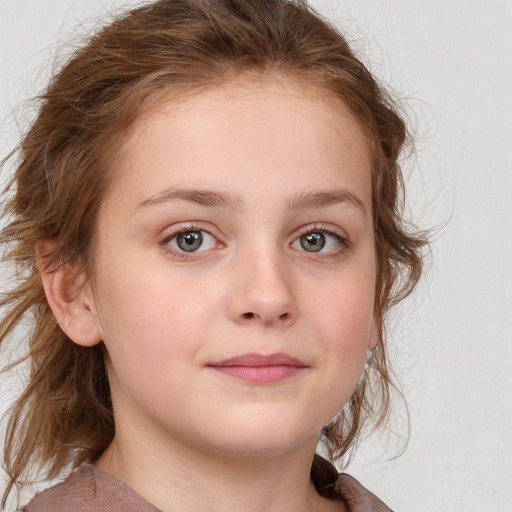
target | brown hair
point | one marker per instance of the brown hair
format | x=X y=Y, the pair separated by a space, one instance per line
x=64 y=415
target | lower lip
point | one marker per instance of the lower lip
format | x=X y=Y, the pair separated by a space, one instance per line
x=260 y=374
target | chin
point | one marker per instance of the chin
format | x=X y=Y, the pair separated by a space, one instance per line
x=263 y=439
x=258 y=448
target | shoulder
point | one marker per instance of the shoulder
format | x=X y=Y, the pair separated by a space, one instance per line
x=62 y=495
x=344 y=488
x=89 y=489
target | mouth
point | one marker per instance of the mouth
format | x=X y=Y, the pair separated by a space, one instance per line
x=260 y=369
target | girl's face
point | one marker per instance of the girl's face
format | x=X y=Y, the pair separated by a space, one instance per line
x=235 y=270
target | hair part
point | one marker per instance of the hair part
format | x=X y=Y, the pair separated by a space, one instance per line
x=65 y=162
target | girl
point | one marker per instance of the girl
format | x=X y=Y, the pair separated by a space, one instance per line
x=205 y=217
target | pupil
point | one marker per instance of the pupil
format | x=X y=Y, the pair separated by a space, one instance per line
x=190 y=241
x=312 y=242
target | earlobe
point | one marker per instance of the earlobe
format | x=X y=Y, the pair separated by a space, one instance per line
x=68 y=297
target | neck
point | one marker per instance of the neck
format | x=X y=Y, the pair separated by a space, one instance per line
x=179 y=478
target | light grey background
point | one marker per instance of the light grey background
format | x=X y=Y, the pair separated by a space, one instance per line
x=452 y=346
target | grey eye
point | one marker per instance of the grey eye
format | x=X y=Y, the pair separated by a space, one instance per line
x=320 y=241
x=193 y=241
x=189 y=241
x=312 y=242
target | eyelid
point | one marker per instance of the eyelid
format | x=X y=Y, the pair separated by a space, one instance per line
x=174 y=230
x=323 y=227
x=329 y=229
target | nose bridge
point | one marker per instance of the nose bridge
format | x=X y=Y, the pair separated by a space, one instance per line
x=263 y=290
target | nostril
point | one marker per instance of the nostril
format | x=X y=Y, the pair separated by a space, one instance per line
x=251 y=316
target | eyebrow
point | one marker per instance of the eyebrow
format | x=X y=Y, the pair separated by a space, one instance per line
x=218 y=199
x=324 y=198
x=211 y=198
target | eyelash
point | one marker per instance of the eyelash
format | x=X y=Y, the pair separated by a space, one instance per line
x=170 y=235
x=342 y=239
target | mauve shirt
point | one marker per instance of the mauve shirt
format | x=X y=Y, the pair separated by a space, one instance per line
x=89 y=489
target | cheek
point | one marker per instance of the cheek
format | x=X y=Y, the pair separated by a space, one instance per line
x=344 y=313
x=344 y=307
x=151 y=314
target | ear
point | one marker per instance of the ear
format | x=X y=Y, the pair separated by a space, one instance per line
x=69 y=297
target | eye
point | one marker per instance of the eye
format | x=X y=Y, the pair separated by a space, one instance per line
x=192 y=241
x=320 y=241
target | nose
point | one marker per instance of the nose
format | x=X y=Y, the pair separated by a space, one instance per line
x=262 y=292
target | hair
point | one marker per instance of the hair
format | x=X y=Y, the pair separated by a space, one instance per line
x=63 y=170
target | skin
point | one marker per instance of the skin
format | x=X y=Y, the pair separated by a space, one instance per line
x=188 y=434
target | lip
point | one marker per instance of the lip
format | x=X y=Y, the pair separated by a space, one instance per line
x=260 y=369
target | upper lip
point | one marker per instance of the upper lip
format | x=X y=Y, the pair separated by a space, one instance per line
x=257 y=360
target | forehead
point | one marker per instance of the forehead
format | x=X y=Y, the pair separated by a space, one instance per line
x=245 y=130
